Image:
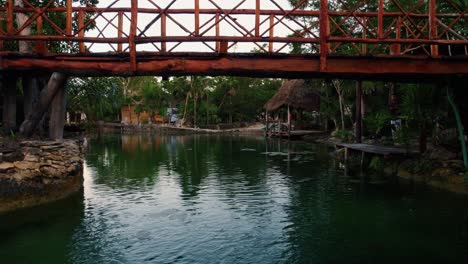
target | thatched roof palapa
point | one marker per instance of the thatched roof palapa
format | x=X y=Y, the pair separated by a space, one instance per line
x=296 y=94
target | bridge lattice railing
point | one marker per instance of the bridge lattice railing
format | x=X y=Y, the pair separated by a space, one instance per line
x=321 y=27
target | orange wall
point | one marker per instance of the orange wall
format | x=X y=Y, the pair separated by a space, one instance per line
x=130 y=117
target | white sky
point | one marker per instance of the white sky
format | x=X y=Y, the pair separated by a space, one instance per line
x=248 y=21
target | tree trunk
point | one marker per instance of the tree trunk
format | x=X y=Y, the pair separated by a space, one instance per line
x=31 y=94
x=341 y=102
x=358 y=118
x=56 y=82
x=9 y=103
x=422 y=139
x=21 y=18
x=185 y=107
x=195 y=99
x=207 y=110
x=58 y=111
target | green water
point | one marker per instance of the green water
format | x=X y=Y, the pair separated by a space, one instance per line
x=221 y=199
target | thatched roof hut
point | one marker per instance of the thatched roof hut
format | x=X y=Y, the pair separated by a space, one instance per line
x=296 y=94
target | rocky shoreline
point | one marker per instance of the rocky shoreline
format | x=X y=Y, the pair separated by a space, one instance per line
x=38 y=172
x=437 y=168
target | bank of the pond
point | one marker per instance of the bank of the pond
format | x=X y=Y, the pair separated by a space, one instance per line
x=437 y=168
x=239 y=128
x=38 y=172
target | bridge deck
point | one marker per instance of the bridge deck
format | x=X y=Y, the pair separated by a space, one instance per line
x=255 y=65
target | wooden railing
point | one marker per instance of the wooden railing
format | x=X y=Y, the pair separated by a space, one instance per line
x=324 y=28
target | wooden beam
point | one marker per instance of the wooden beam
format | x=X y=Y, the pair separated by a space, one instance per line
x=68 y=22
x=433 y=26
x=120 y=30
x=10 y=17
x=272 y=33
x=81 y=45
x=324 y=34
x=40 y=45
x=380 y=16
x=163 y=32
x=197 y=17
x=218 y=45
x=376 y=67
x=133 y=33
x=257 y=18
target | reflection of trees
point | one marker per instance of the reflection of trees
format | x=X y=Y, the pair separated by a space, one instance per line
x=131 y=161
x=191 y=161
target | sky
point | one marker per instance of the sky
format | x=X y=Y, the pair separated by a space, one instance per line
x=188 y=22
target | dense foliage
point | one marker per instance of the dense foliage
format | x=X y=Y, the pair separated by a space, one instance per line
x=201 y=100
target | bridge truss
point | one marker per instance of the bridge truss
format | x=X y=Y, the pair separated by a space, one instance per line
x=375 y=38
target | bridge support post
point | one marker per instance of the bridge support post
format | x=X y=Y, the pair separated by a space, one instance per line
x=56 y=82
x=58 y=114
x=9 y=103
x=30 y=93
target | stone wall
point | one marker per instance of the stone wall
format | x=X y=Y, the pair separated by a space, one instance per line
x=36 y=172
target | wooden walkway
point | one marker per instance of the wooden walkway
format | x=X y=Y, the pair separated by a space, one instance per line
x=374 y=149
x=296 y=134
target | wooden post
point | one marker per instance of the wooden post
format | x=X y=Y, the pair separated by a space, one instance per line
x=68 y=27
x=10 y=17
x=58 y=112
x=395 y=49
x=30 y=93
x=40 y=44
x=218 y=44
x=197 y=17
x=433 y=26
x=380 y=29
x=364 y=35
x=358 y=131
x=9 y=103
x=272 y=33
x=133 y=33
x=257 y=18
x=223 y=47
x=81 y=31
x=163 y=32
x=56 y=82
x=120 y=31
x=266 y=123
x=324 y=34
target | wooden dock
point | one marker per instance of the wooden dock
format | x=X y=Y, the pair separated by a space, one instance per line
x=374 y=149
x=295 y=134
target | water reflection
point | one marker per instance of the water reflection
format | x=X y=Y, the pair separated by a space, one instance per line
x=41 y=234
x=233 y=199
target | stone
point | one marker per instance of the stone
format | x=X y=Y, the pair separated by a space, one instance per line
x=5 y=166
x=54 y=157
x=31 y=158
x=26 y=165
x=49 y=171
x=441 y=153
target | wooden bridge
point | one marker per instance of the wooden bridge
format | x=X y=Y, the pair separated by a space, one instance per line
x=321 y=38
